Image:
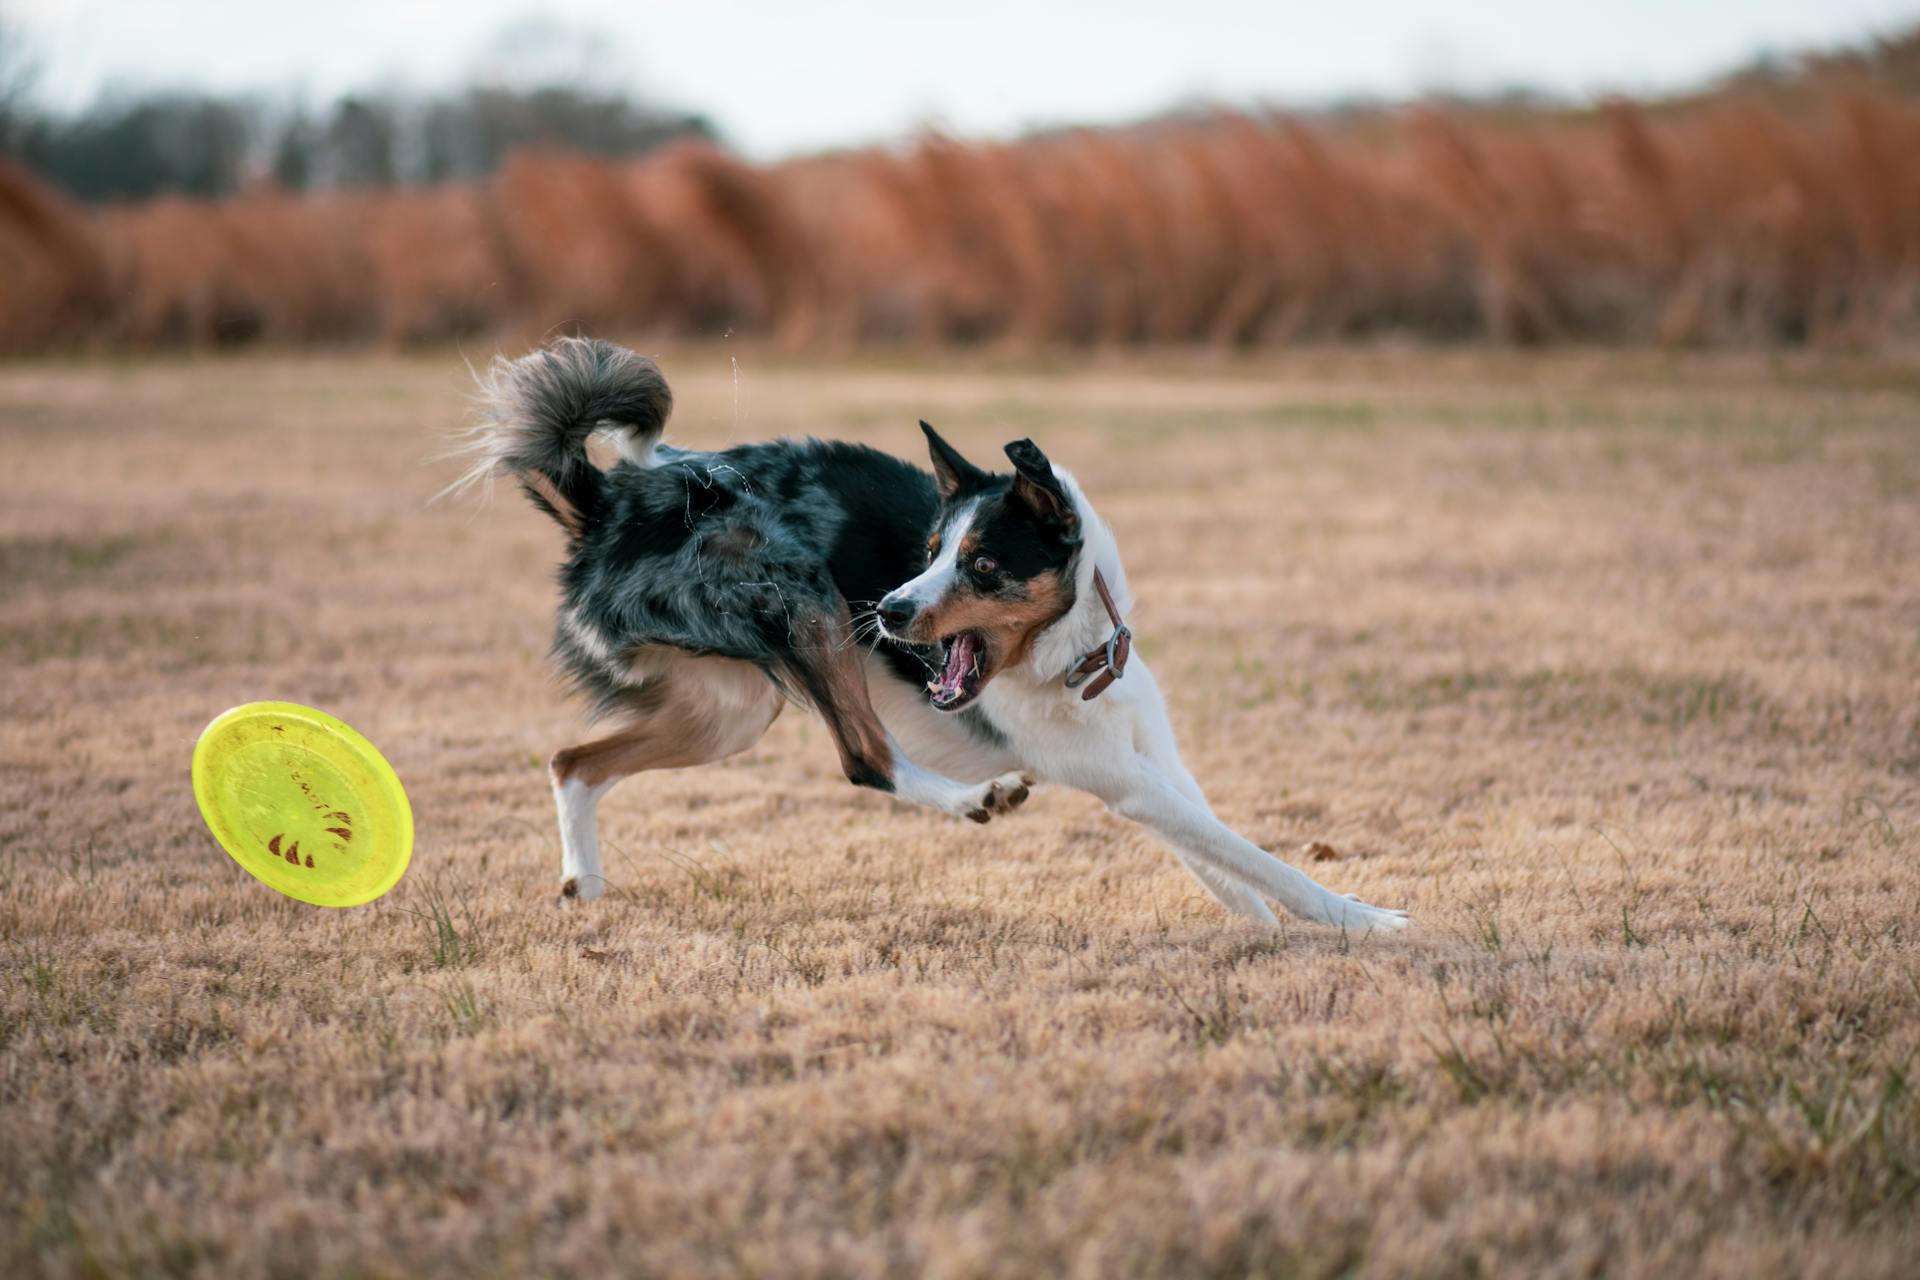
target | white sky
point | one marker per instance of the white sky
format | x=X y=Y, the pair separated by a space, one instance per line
x=779 y=77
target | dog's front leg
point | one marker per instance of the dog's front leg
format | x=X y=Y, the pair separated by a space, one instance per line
x=1227 y=891
x=978 y=801
x=1216 y=852
x=827 y=666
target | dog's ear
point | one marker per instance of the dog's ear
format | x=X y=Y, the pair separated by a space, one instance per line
x=953 y=472
x=1035 y=486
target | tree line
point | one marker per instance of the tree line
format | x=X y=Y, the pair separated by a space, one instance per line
x=132 y=146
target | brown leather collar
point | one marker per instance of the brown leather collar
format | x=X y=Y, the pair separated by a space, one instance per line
x=1108 y=662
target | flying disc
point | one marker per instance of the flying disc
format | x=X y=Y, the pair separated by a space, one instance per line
x=302 y=802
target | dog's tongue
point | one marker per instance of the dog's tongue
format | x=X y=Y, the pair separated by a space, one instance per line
x=961 y=652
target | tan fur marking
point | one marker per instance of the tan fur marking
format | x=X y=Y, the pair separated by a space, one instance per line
x=688 y=710
x=831 y=670
x=568 y=515
x=1008 y=625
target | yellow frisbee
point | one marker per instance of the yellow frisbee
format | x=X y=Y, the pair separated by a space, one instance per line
x=304 y=803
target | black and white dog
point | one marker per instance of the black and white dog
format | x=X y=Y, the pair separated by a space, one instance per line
x=960 y=633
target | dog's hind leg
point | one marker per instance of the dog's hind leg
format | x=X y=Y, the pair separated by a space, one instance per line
x=685 y=710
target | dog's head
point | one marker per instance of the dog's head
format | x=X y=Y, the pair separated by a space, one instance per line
x=999 y=568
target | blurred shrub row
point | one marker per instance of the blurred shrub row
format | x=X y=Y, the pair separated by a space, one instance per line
x=1734 y=220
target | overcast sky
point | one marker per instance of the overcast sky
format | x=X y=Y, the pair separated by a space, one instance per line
x=781 y=77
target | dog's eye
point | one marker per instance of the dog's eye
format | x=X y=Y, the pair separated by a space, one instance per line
x=985 y=565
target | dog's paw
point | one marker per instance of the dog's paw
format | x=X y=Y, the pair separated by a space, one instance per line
x=579 y=889
x=1003 y=794
x=1365 y=917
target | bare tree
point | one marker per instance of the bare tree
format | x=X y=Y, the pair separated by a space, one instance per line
x=18 y=71
x=133 y=147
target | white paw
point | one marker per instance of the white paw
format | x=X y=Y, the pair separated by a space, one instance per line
x=581 y=889
x=1359 y=917
x=1003 y=794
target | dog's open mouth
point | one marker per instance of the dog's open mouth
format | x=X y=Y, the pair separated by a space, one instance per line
x=964 y=674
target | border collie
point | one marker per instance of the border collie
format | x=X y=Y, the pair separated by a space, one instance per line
x=959 y=632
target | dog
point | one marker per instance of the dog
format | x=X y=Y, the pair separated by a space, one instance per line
x=960 y=632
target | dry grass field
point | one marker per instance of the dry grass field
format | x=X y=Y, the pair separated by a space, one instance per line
x=1607 y=666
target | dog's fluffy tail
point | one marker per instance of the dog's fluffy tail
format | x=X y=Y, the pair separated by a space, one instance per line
x=539 y=411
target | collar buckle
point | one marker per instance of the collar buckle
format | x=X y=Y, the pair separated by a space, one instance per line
x=1104 y=665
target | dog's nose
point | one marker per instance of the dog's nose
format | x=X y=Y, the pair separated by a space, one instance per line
x=897 y=612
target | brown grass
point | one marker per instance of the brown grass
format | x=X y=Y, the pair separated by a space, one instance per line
x=1735 y=221
x=1605 y=666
